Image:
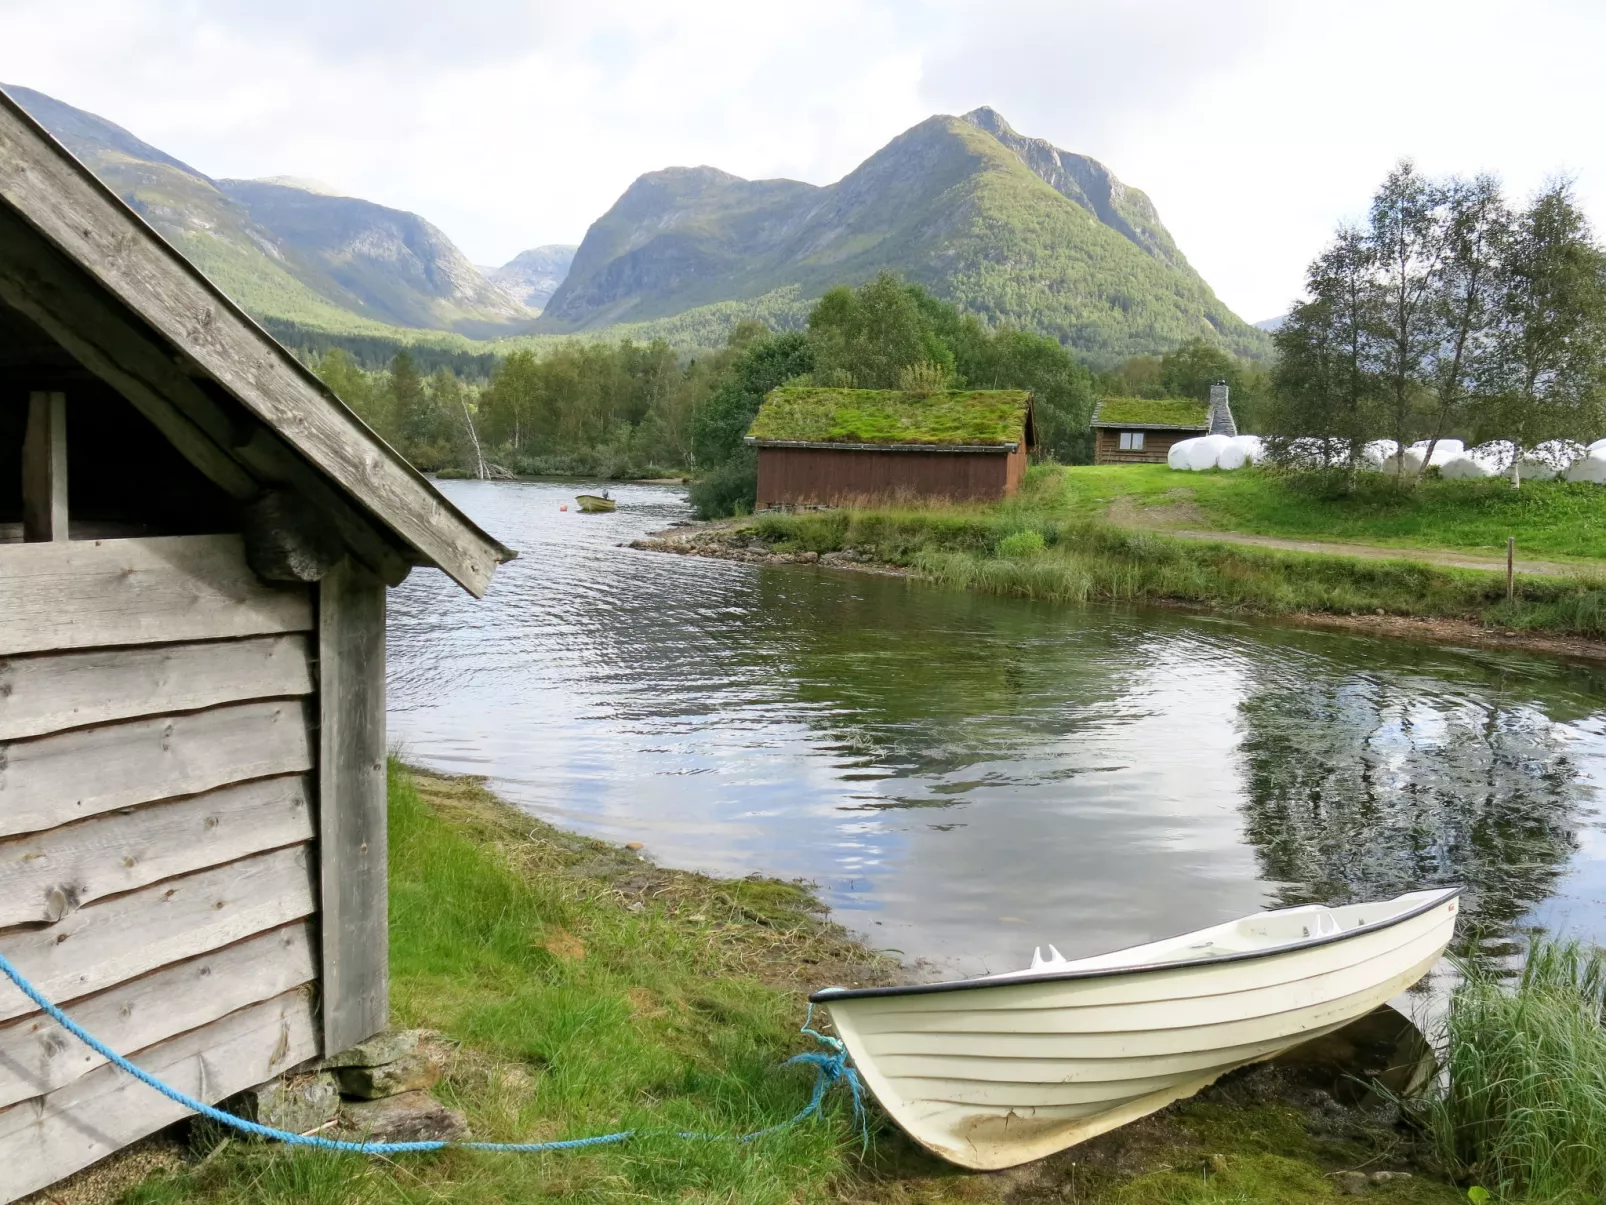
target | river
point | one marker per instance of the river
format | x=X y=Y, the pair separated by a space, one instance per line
x=965 y=777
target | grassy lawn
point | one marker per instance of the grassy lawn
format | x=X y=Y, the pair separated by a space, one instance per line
x=1550 y=519
x=583 y=990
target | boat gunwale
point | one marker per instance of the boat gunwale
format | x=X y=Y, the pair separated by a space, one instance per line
x=830 y=995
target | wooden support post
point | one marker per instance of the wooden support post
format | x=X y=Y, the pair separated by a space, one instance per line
x=351 y=805
x=1511 y=568
x=44 y=469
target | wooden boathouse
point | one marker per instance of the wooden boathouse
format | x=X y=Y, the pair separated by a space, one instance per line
x=832 y=446
x=1136 y=430
x=196 y=538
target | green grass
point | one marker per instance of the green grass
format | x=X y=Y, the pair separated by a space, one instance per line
x=576 y=1016
x=1550 y=519
x=572 y=1012
x=1170 y=412
x=1081 y=560
x=983 y=416
x=1523 y=1110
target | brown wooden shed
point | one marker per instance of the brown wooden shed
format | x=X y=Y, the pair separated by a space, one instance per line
x=195 y=541
x=832 y=446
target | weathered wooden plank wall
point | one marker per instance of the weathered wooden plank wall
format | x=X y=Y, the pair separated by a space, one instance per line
x=1156 y=444
x=801 y=476
x=158 y=873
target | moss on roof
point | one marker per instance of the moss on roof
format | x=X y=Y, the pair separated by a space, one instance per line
x=1152 y=412
x=888 y=416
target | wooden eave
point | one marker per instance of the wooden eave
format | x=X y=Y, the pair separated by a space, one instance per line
x=165 y=336
x=826 y=445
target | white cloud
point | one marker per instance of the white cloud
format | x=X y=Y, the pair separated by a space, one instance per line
x=1254 y=125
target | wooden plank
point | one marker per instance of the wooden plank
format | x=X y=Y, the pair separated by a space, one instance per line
x=162 y=590
x=47 y=1138
x=117 y=939
x=48 y=692
x=44 y=469
x=46 y=875
x=232 y=449
x=351 y=805
x=38 y=1056
x=53 y=780
x=78 y=214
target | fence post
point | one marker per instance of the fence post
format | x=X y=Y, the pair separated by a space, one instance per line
x=1511 y=572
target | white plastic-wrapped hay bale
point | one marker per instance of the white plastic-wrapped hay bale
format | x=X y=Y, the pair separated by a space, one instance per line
x=1412 y=458
x=1241 y=450
x=1205 y=451
x=1590 y=468
x=1444 y=451
x=1597 y=446
x=1465 y=467
x=1550 y=459
x=1374 y=454
x=1177 y=457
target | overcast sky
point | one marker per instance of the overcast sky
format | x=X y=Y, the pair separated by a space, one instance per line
x=1254 y=126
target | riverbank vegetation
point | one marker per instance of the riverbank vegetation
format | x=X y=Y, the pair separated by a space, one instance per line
x=1046 y=544
x=1521 y=1110
x=581 y=989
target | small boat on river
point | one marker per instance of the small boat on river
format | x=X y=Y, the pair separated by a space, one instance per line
x=595 y=504
x=997 y=1071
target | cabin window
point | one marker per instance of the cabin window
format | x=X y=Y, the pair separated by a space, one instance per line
x=1131 y=441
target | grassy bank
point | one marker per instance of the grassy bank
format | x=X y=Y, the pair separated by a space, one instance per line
x=1037 y=546
x=582 y=989
x=1549 y=519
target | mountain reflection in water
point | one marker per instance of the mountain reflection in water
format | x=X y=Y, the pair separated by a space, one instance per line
x=966 y=777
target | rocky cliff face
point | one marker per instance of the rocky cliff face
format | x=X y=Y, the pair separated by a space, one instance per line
x=1010 y=227
x=531 y=277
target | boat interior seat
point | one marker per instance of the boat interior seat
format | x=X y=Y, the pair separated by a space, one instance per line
x=1292 y=924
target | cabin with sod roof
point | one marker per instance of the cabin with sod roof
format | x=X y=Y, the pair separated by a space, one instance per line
x=819 y=447
x=1136 y=430
x=196 y=538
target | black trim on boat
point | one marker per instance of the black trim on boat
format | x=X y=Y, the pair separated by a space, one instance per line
x=827 y=994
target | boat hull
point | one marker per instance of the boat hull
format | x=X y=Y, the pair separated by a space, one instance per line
x=591 y=504
x=1005 y=1073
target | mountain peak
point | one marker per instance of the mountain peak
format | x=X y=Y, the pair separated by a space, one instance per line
x=958 y=204
x=303 y=184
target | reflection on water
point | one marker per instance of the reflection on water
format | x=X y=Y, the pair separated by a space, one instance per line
x=966 y=777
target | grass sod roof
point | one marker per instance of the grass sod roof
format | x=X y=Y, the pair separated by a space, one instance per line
x=961 y=417
x=1152 y=412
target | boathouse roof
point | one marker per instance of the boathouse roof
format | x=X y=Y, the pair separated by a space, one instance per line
x=1170 y=413
x=806 y=416
x=80 y=264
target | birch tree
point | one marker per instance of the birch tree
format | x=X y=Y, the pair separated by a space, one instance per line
x=1546 y=375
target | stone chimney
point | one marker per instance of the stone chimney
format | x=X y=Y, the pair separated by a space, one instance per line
x=1220 y=413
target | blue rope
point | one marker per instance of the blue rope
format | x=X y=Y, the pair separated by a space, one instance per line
x=828 y=1070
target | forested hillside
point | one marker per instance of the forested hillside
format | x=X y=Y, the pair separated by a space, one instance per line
x=1010 y=229
x=285 y=251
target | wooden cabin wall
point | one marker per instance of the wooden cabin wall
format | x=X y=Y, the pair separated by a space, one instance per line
x=804 y=476
x=157 y=817
x=1156 y=446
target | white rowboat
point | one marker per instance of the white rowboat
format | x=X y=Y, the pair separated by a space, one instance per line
x=998 y=1071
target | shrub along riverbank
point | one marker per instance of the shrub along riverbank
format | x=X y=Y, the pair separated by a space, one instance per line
x=1041 y=546
x=584 y=990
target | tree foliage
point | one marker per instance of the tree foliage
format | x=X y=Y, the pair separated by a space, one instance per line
x=1446 y=314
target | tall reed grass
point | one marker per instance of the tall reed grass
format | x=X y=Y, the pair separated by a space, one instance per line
x=1521 y=1110
x=1018 y=550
